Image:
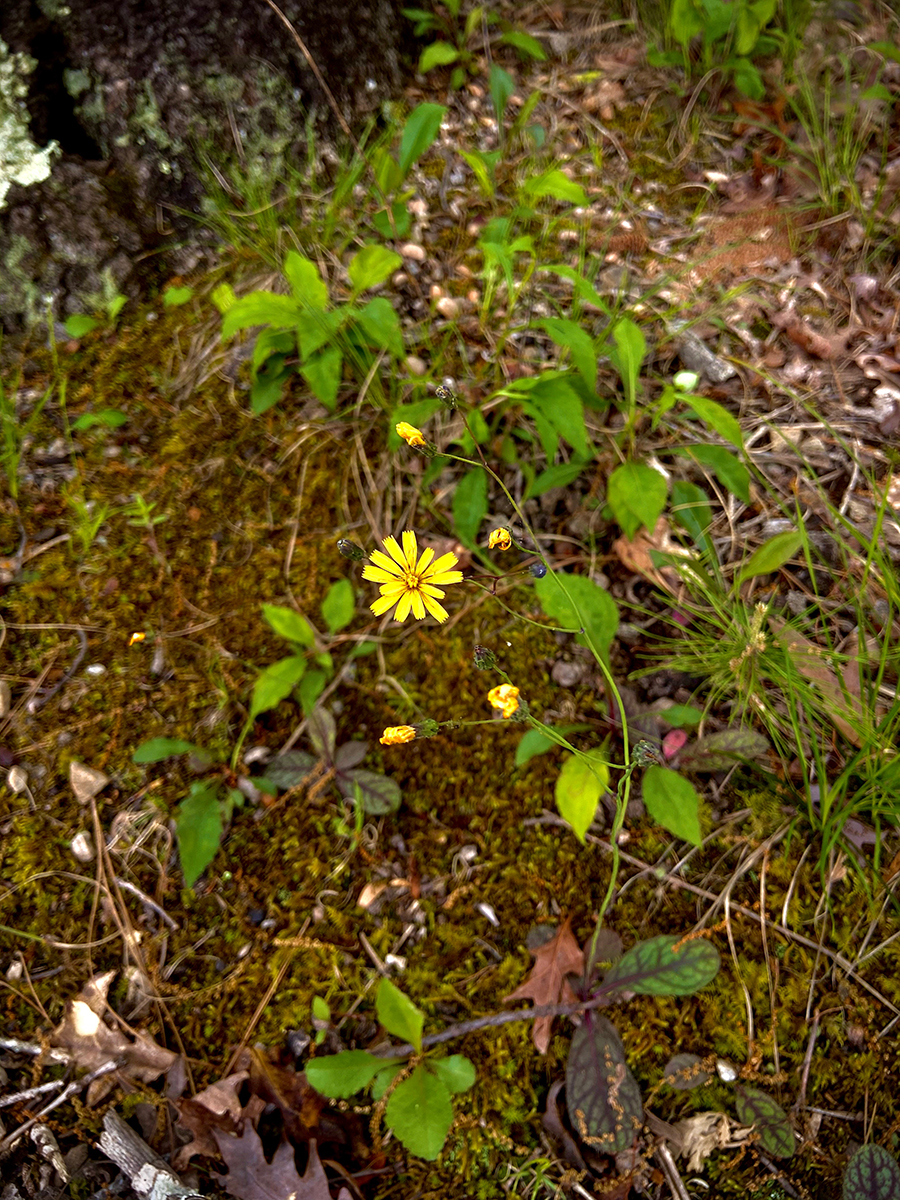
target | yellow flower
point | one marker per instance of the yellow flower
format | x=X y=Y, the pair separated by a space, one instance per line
x=409 y=433
x=397 y=735
x=501 y=539
x=407 y=583
x=506 y=698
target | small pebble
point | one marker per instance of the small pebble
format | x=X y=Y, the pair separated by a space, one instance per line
x=82 y=847
x=416 y=365
x=411 y=250
x=17 y=780
x=5 y=698
x=448 y=308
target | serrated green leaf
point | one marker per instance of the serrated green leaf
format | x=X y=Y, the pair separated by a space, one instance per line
x=672 y=801
x=316 y=329
x=582 y=602
x=572 y=337
x=381 y=325
x=637 y=496
x=378 y=793
x=560 y=475
x=756 y=1108
x=305 y=281
x=771 y=554
x=398 y=1014
x=457 y=1072
x=371 y=266
x=198 y=826
x=323 y=373
x=656 y=968
x=275 y=684
x=562 y=407
x=717 y=418
x=341 y=1075
x=420 y=1113
x=339 y=605
x=602 y=1095
x=424 y=122
x=156 y=749
x=385 y=1077
x=731 y=474
x=470 y=505
x=872 y=1173
x=579 y=786
x=289 y=624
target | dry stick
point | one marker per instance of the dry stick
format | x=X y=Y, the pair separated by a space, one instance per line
x=75 y=1086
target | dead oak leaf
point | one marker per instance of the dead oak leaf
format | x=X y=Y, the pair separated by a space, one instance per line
x=91 y=1042
x=251 y=1177
x=216 y=1107
x=547 y=983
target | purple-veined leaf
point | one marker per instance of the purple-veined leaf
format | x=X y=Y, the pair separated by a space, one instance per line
x=322 y=732
x=759 y=1109
x=683 y=1072
x=350 y=755
x=379 y=793
x=603 y=1097
x=287 y=770
x=656 y=968
x=873 y=1174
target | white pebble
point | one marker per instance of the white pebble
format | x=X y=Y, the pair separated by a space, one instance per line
x=411 y=250
x=416 y=365
x=448 y=307
x=82 y=848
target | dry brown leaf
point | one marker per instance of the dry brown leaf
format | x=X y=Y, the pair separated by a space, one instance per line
x=250 y=1177
x=91 y=1042
x=216 y=1107
x=807 y=657
x=547 y=982
x=634 y=554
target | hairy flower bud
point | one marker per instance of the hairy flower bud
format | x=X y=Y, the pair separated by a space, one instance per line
x=538 y=570
x=351 y=550
x=485 y=659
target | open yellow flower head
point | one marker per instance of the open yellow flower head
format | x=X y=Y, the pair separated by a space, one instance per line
x=397 y=735
x=500 y=539
x=409 y=433
x=506 y=698
x=410 y=584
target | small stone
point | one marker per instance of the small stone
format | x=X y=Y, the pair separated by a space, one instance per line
x=86 y=782
x=448 y=307
x=411 y=250
x=416 y=365
x=5 y=698
x=82 y=848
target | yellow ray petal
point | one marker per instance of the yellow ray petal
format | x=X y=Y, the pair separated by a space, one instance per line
x=427 y=556
x=382 y=560
x=435 y=609
x=444 y=563
x=418 y=606
x=404 y=604
x=443 y=577
x=381 y=574
x=410 y=549
x=380 y=606
x=427 y=590
x=391 y=545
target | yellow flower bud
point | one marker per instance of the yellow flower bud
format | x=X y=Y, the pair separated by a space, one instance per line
x=409 y=433
x=397 y=735
x=505 y=698
x=500 y=539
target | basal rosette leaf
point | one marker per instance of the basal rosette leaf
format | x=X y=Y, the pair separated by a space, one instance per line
x=420 y=1113
x=873 y=1174
x=603 y=1097
x=656 y=968
x=683 y=1072
x=759 y=1109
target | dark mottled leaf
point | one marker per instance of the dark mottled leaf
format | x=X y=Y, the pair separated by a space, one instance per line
x=683 y=1073
x=603 y=1096
x=656 y=968
x=873 y=1174
x=350 y=755
x=322 y=732
x=287 y=770
x=379 y=793
x=759 y=1109
x=720 y=751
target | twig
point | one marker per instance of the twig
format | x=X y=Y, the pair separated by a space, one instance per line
x=150 y=1175
x=38 y=702
x=75 y=1086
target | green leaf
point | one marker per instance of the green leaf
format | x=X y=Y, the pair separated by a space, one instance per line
x=470 y=504
x=533 y=743
x=681 y=715
x=275 y=684
x=320 y=1009
x=560 y=475
x=483 y=164
x=636 y=495
x=109 y=418
x=731 y=473
x=656 y=968
x=690 y=508
x=501 y=85
x=747 y=78
x=424 y=122
x=339 y=605
x=771 y=554
x=198 y=825
x=371 y=266
x=589 y=604
x=289 y=624
x=562 y=407
x=717 y=418
x=420 y=1113
x=317 y=328
x=267 y=386
x=525 y=43
x=457 y=1072
x=79 y=324
x=573 y=338
x=776 y=1136
x=341 y=1075
x=602 y=1095
x=156 y=749
x=305 y=281
x=385 y=1077
x=627 y=355
x=223 y=297
x=438 y=54
x=381 y=325
x=672 y=801
x=379 y=794
x=175 y=296
x=720 y=751
x=685 y=21
x=260 y=308
x=872 y=1173
x=398 y=1014
x=323 y=374
x=581 y=783
x=557 y=185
